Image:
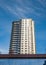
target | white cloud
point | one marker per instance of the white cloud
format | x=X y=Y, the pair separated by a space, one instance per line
x=3 y=51
x=17 y=12
x=20 y=8
x=42 y=2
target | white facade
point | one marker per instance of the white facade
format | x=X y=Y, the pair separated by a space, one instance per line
x=26 y=38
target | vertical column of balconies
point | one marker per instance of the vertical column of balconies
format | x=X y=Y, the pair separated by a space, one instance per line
x=15 y=40
x=29 y=37
x=33 y=39
x=22 y=46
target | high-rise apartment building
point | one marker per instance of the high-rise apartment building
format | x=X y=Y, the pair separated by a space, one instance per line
x=22 y=37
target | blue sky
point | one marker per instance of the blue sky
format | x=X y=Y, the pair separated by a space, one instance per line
x=11 y=10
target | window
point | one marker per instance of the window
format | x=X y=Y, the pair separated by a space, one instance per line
x=22 y=50
x=25 y=50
